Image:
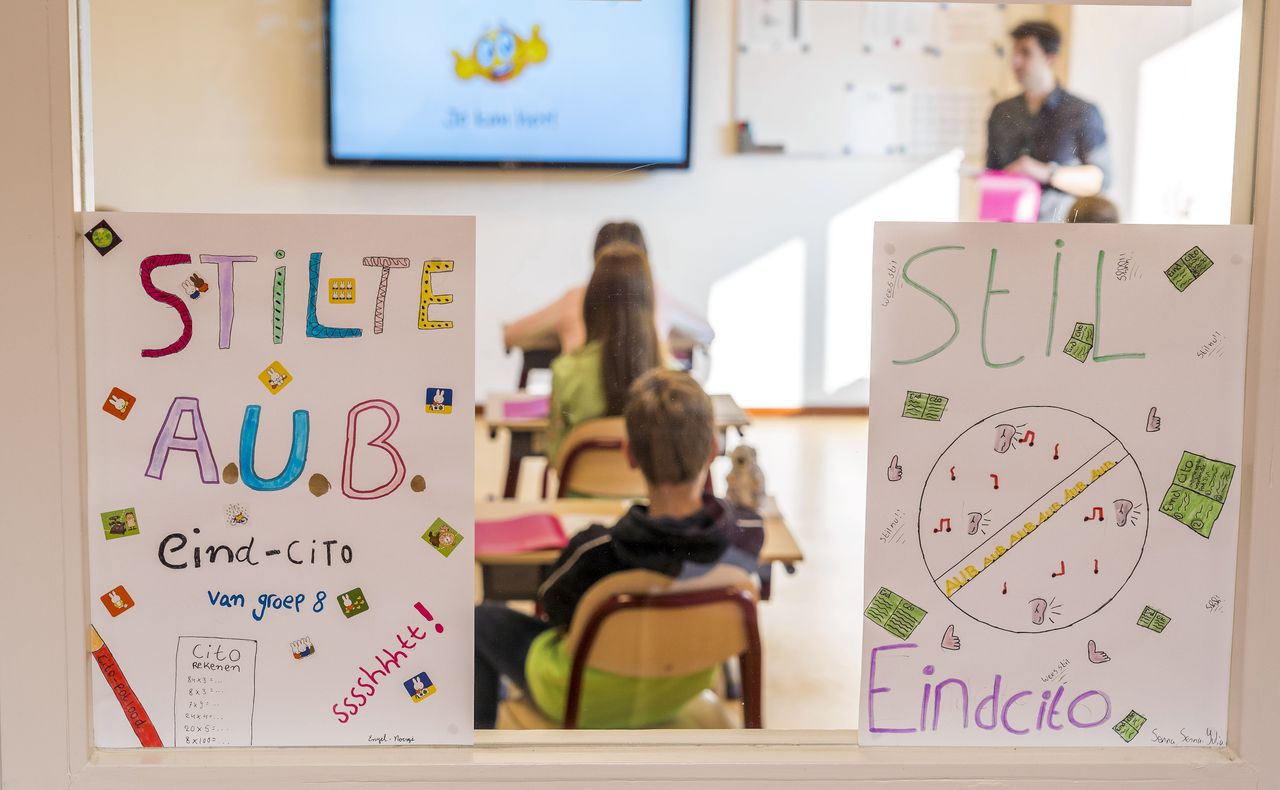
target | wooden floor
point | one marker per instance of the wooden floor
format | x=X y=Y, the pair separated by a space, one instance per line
x=816 y=467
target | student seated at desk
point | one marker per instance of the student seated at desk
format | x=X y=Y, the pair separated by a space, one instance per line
x=680 y=533
x=560 y=323
x=622 y=344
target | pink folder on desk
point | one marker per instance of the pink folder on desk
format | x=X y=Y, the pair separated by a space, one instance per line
x=535 y=532
x=1008 y=197
x=527 y=408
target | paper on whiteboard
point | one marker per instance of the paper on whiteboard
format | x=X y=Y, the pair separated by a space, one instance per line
x=773 y=26
x=280 y=477
x=1057 y=435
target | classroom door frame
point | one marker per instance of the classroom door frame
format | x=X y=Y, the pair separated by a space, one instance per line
x=45 y=738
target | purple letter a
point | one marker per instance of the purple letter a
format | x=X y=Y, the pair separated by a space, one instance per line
x=168 y=439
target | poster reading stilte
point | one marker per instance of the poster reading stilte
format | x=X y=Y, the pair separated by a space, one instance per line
x=279 y=419
x=1054 y=494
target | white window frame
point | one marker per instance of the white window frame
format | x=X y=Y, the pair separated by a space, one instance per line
x=45 y=739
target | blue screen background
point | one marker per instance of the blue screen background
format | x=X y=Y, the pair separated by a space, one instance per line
x=613 y=87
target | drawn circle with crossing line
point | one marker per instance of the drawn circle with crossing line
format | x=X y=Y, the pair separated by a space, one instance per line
x=1033 y=519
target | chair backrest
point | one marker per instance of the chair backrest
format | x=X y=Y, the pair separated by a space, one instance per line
x=592 y=462
x=644 y=624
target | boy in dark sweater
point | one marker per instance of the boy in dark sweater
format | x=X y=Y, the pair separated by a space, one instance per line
x=681 y=533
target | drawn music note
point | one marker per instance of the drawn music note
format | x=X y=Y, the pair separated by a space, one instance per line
x=1062 y=571
x=1028 y=438
x=1095 y=566
x=943 y=523
x=996 y=480
x=1005 y=590
x=953 y=473
x=1055 y=452
x=1097 y=515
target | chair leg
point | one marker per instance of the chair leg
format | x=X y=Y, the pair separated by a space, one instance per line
x=732 y=681
x=521 y=447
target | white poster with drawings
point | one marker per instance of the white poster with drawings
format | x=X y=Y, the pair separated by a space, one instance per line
x=280 y=478
x=1054 y=495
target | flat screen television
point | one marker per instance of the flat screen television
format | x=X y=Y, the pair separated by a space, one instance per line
x=510 y=83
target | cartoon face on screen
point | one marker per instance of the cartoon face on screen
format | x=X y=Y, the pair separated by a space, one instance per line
x=500 y=55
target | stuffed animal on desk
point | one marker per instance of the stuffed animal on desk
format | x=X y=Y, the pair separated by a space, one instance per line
x=745 y=480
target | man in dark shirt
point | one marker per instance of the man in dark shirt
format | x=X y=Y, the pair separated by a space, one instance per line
x=1045 y=133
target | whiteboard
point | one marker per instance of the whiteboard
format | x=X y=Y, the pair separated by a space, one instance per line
x=280 y=440
x=1053 y=506
x=871 y=80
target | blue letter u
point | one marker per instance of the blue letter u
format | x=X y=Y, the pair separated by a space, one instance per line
x=297 y=450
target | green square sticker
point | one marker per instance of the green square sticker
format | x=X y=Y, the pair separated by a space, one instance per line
x=442 y=537
x=1129 y=726
x=353 y=602
x=894 y=613
x=1180 y=276
x=120 y=523
x=1196 y=261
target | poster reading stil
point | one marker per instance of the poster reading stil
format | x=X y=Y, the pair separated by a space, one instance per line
x=1054 y=494
x=280 y=478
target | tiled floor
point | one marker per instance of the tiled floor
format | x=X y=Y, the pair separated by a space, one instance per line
x=816 y=468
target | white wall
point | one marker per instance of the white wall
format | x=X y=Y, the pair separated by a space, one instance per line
x=219 y=106
x=1109 y=45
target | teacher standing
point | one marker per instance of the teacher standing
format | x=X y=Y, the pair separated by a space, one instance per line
x=1051 y=136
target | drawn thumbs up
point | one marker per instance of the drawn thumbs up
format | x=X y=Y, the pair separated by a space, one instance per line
x=1153 y=422
x=895 y=470
x=949 y=639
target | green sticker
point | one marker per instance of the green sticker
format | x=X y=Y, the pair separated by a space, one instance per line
x=1081 y=342
x=353 y=602
x=1129 y=726
x=120 y=523
x=923 y=406
x=1083 y=333
x=1198 y=492
x=894 y=613
x=442 y=537
x=1196 y=261
x=1153 y=620
x=1189 y=268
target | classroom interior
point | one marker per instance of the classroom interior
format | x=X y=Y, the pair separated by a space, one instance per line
x=766 y=238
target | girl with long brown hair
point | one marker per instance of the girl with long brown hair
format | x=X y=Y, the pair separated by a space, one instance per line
x=622 y=343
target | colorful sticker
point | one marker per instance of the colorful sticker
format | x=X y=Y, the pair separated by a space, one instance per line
x=442 y=537
x=120 y=523
x=419 y=687
x=103 y=238
x=117 y=601
x=237 y=515
x=1188 y=268
x=923 y=406
x=353 y=602
x=1081 y=342
x=1129 y=726
x=439 y=400
x=119 y=403
x=195 y=286
x=342 y=290
x=275 y=377
x=1153 y=619
x=301 y=648
x=1198 y=492
x=894 y=613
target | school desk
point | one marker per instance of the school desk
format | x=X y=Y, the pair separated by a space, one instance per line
x=517 y=576
x=526 y=433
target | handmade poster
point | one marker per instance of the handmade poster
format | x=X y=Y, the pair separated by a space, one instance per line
x=1054 y=495
x=280 y=478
